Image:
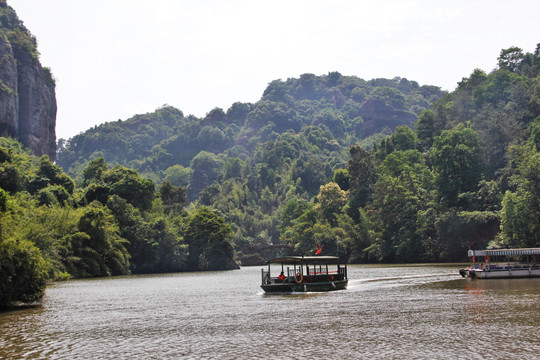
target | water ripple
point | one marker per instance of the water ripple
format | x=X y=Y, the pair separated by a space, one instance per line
x=387 y=312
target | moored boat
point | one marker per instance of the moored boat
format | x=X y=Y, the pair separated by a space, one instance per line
x=503 y=264
x=304 y=274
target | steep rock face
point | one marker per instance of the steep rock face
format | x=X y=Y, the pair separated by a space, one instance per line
x=27 y=90
x=377 y=114
x=37 y=107
x=9 y=105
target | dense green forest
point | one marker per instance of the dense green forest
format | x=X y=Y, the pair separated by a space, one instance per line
x=374 y=171
x=371 y=171
x=113 y=223
x=249 y=161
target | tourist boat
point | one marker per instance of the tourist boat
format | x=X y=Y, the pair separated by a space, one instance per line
x=502 y=264
x=304 y=274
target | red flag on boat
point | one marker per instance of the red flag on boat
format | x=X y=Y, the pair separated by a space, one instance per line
x=319 y=250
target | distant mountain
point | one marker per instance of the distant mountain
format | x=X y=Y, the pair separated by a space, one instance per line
x=27 y=90
x=249 y=161
x=342 y=110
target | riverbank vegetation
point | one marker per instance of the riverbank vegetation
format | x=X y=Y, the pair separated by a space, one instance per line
x=113 y=223
x=372 y=171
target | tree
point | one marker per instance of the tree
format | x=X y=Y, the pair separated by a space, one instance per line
x=404 y=138
x=511 y=58
x=127 y=184
x=311 y=173
x=331 y=200
x=99 y=245
x=362 y=175
x=292 y=210
x=3 y=202
x=403 y=189
x=10 y=178
x=342 y=178
x=333 y=119
x=390 y=96
x=456 y=159
x=52 y=174
x=308 y=86
x=178 y=175
x=521 y=208
x=208 y=238
x=168 y=252
x=94 y=170
x=173 y=197
x=206 y=168
x=238 y=112
x=23 y=272
x=211 y=139
x=53 y=194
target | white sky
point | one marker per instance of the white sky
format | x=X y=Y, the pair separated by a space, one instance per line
x=113 y=59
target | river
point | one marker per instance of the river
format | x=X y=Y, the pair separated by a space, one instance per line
x=388 y=312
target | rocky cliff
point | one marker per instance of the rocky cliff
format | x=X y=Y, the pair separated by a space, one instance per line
x=27 y=90
x=377 y=114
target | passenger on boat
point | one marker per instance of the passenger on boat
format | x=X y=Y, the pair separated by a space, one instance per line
x=281 y=277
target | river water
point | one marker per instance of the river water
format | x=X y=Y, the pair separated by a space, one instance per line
x=388 y=312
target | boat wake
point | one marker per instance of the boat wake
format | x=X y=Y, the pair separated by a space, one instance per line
x=402 y=280
x=400 y=277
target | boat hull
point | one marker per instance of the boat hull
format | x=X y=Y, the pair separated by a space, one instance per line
x=306 y=287
x=500 y=274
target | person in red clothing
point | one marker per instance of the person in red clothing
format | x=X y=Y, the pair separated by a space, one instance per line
x=281 y=276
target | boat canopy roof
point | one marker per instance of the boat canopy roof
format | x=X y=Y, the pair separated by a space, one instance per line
x=305 y=260
x=504 y=252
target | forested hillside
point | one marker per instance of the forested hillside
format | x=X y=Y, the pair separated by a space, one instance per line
x=248 y=161
x=332 y=162
x=319 y=164
x=338 y=110
x=113 y=223
x=467 y=178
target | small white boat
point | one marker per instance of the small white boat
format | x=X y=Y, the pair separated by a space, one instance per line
x=503 y=264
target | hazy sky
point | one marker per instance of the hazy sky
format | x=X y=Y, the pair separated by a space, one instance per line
x=113 y=59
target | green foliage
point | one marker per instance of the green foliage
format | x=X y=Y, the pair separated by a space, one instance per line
x=456 y=158
x=432 y=195
x=173 y=197
x=53 y=194
x=54 y=231
x=49 y=174
x=521 y=207
x=330 y=202
x=206 y=168
x=342 y=178
x=389 y=95
x=248 y=161
x=23 y=272
x=22 y=42
x=178 y=175
x=127 y=184
x=98 y=244
x=94 y=170
x=361 y=168
x=320 y=161
x=3 y=200
x=510 y=58
x=120 y=181
x=208 y=238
